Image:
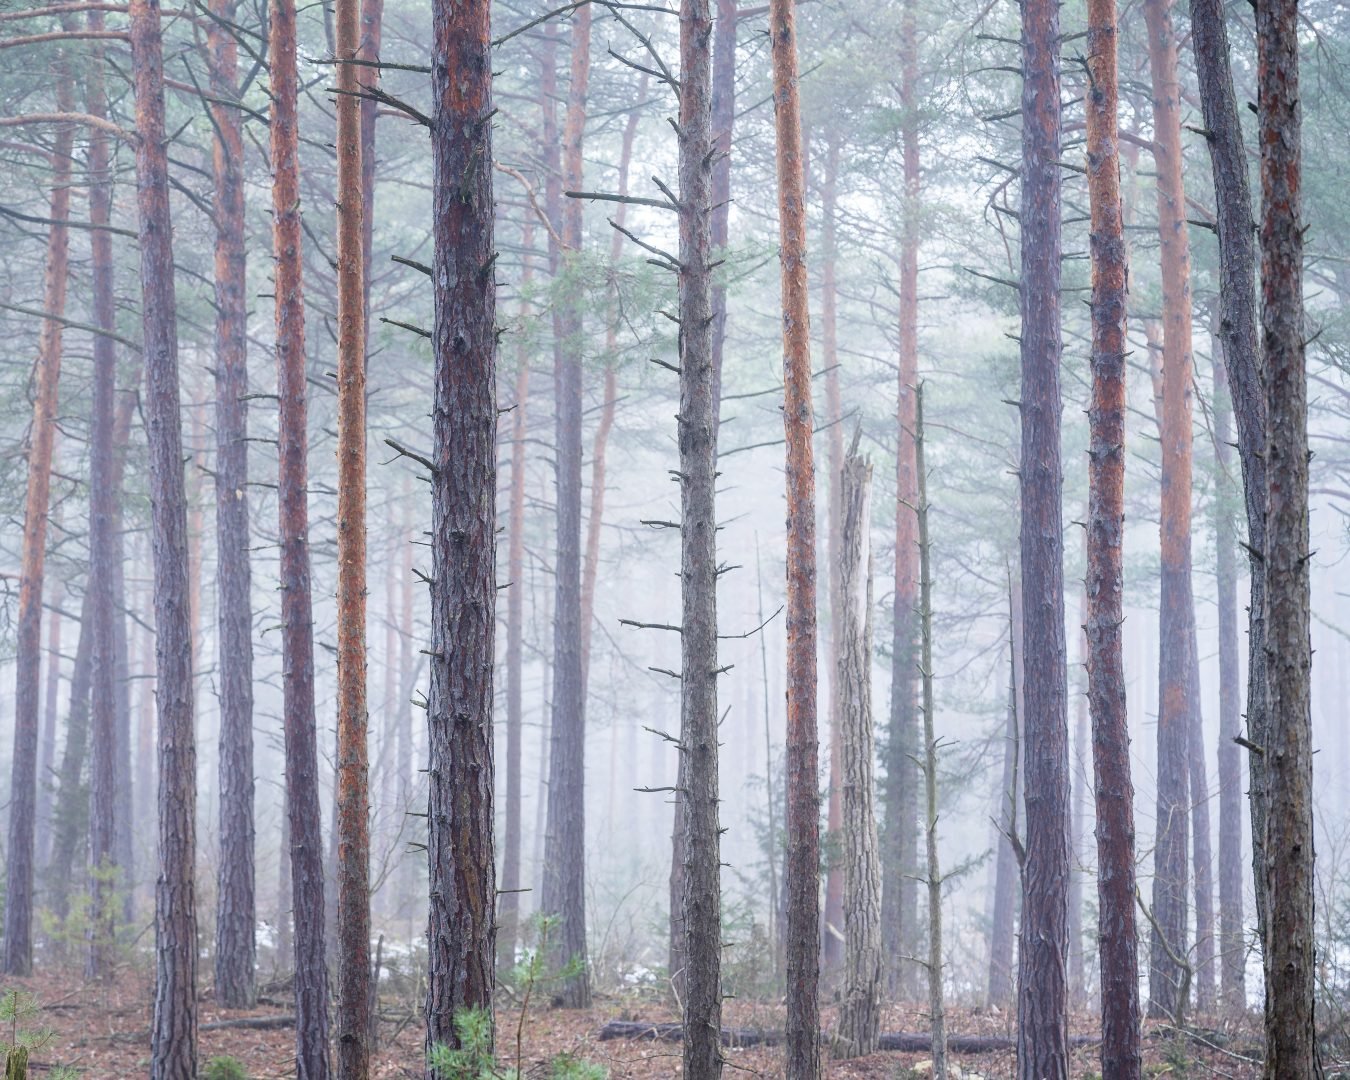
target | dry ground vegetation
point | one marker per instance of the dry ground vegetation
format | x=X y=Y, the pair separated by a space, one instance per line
x=101 y=1031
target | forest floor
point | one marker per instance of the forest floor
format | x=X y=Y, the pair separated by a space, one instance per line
x=101 y=1031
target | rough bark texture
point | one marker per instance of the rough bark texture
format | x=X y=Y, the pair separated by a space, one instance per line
x=464 y=483
x=18 y=957
x=697 y=431
x=236 y=904
x=1242 y=361
x=508 y=905
x=1232 y=933
x=352 y=797
x=899 y=863
x=564 y=891
x=803 y=796
x=860 y=1007
x=1290 y=965
x=297 y=617
x=104 y=555
x=1042 y=1005
x=173 y=1052
x=1117 y=937
x=1177 y=613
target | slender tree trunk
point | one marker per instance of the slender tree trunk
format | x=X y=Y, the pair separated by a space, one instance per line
x=860 y=1008
x=173 y=1054
x=564 y=892
x=297 y=617
x=1242 y=361
x=699 y=666
x=18 y=957
x=803 y=796
x=1042 y=1042
x=1290 y=963
x=1232 y=933
x=103 y=548
x=899 y=866
x=1203 y=858
x=1177 y=609
x=70 y=813
x=352 y=797
x=832 y=940
x=46 y=775
x=508 y=907
x=463 y=533
x=1117 y=937
x=937 y=1010
x=1001 y=988
x=236 y=907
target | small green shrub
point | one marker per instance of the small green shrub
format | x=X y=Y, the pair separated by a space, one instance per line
x=224 y=1068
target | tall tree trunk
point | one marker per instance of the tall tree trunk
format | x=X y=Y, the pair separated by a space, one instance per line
x=937 y=1009
x=1232 y=933
x=297 y=616
x=564 y=892
x=173 y=1053
x=508 y=907
x=803 y=796
x=352 y=797
x=1117 y=937
x=46 y=774
x=236 y=906
x=1078 y=791
x=70 y=810
x=1290 y=963
x=699 y=668
x=899 y=864
x=832 y=940
x=1202 y=853
x=1177 y=612
x=463 y=532
x=1242 y=361
x=18 y=957
x=860 y=1008
x=1042 y=1041
x=103 y=547
x=1006 y=874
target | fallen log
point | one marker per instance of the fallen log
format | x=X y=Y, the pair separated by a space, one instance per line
x=252 y=1023
x=901 y=1041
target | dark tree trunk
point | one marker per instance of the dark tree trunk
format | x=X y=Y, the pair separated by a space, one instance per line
x=1177 y=612
x=1117 y=937
x=103 y=547
x=1232 y=933
x=236 y=949
x=508 y=906
x=1042 y=1005
x=697 y=437
x=297 y=617
x=173 y=1053
x=352 y=795
x=803 y=796
x=1290 y=962
x=18 y=958
x=899 y=839
x=1242 y=361
x=564 y=892
x=463 y=533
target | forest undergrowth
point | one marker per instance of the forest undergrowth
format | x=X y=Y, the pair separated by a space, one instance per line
x=100 y=1031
